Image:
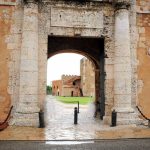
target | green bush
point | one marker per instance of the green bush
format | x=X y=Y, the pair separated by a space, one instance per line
x=49 y=90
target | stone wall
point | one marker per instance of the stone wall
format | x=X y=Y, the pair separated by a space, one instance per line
x=126 y=69
x=53 y=21
x=11 y=13
x=10 y=39
x=143 y=55
x=5 y=24
x=87 y=77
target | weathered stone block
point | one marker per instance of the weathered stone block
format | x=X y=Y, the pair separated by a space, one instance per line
x=28 y=79
x=25 y=89
x=21 y=119
x=78 y=18
x=29 y=65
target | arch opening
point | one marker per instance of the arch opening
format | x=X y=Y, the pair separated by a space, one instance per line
x=93 y=50
x=64 y=73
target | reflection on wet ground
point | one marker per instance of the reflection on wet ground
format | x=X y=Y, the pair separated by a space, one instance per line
x=60 y=121
x=59 y=126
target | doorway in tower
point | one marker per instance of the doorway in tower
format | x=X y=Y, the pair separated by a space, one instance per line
x=71 y=93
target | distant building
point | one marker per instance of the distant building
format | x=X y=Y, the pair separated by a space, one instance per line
x=57 y=87
x=73 y=85
x=69 y=85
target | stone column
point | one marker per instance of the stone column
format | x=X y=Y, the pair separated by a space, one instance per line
x=122 y=63
x=27 y=108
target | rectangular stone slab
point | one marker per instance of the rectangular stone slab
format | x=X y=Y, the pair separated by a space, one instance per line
x=76 y=17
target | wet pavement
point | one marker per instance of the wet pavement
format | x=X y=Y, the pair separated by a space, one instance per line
x=60 y=121
x=60 y=126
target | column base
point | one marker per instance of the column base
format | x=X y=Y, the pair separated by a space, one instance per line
x=107 y=120
x=22 y=119
x=27 y=108
x=124 y=117
x=124 y=110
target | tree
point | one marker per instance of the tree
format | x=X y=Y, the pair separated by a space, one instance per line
x=49 y=90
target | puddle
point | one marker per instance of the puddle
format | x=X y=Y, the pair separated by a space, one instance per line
x=68 y=142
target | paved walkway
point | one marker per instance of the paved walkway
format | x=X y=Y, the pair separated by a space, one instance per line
x=59 y=126
x=60 y=121
x=134 y=144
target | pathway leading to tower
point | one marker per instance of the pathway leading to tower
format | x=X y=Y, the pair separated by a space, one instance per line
x=60 y=121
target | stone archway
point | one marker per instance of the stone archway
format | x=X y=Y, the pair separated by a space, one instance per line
x=93 y=49
x=93 y=21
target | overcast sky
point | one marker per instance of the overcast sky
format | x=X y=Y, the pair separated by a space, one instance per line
x=67 y=63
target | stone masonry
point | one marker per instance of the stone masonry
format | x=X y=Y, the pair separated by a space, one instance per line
x=121 y=62
x=87 y=77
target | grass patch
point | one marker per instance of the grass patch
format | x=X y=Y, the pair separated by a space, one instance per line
x=73 y=100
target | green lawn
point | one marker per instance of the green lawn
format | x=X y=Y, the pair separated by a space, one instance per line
x=73 y=100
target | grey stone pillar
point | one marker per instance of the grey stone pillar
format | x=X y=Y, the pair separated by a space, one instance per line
x=27 y=108
x=122 y=66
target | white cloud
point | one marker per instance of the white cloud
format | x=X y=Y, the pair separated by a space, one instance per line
x=67 y=63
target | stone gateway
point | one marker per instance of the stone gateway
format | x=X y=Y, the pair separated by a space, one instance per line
x=113 y=34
